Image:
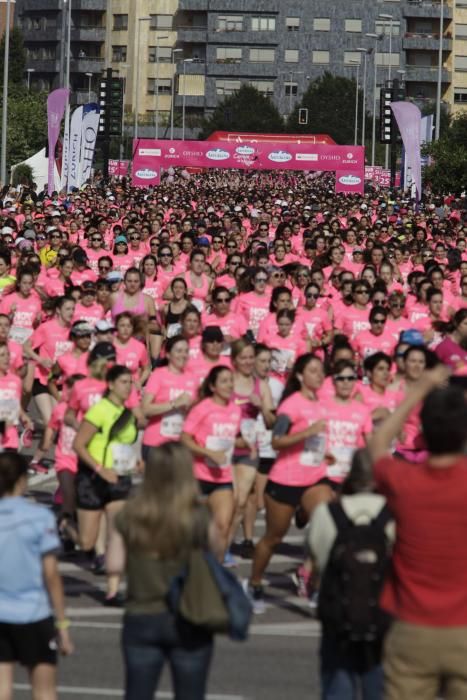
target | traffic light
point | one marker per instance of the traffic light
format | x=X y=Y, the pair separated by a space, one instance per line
x=111 y=90
x=303 y=115
x=385 y=115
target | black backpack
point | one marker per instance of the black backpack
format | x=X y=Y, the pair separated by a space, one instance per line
x=348 y=599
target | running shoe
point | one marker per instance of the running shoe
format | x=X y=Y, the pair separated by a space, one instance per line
x=314 y=599
x=42 y=466
x=115 y=601
x=26 y=438
x=229 y=560
x=302 y=579
x=247 y=549
x=98 y=565
x=255 y=595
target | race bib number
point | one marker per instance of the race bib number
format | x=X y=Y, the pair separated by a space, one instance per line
x=173 y=329
x=220 y=444
x=248 y=430
x=280 y=359
x=67 y=435
x=124 y=458
x=313 y=451
x=9 y=410
x=20 y=335
x=341 y=467
x=172 y=424
x=199 y=304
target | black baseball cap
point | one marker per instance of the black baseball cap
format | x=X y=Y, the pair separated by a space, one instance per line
x=102 y=351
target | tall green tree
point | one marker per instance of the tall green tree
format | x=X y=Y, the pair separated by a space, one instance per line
x=16 y=60
x=330 y=100
x=246 y=110
x=448 y=171
x=27 y=125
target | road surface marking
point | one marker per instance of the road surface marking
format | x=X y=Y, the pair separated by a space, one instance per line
x=118 y=692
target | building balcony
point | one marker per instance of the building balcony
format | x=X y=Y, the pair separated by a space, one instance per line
x=195 y=68
x=191 y=35
x=243 y=70
x=46 y=6
x=237 y=6
x=90 y=5
x=427 y=42
x=41 y=36
x=49 y=65
x=86 y=33
x=426 y=74
x=425 y=8
x=193 y=5
x=242 y=38
x=87 y=64
x=191 y=101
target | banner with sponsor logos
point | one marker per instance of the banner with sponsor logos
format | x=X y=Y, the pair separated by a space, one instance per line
x=56 y=103
x=118 y=168
x=151 y=155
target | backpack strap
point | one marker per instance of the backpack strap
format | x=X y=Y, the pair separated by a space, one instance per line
x=340 y=517
x=383 y=517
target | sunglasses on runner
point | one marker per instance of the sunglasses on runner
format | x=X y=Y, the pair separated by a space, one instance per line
x=362 y=291
x=379 y=321
x=222 y=300
x=345 y=378
x=261 y=279
x=312 y=296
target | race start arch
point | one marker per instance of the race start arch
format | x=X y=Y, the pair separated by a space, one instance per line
x=150 y=156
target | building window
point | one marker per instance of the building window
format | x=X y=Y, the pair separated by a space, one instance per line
x=461 y=31
x=292 y=24
x=164 y=86
x=353 y=25
x=263 y=24
x=118 y=54
x=164 y=54
x=262 y=55
x=460 y=95
x=229 y=23
x=383 y=26
x=227 y=87
x=320 y=57
x=461 y=63
x=120 y=23
x=352 y=56
x=321 y=24
x=161 y=21
x=290 y=89
x=291 y=56
x=227 y=54
x=382 y=59
x=266 y=87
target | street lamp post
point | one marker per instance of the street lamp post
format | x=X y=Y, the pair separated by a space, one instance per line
x=391 y=19
x=365 y=53
x=185 y=61
x=377 y=38
x=156 y=90
x=440 y=70
x=29 y=71
x=357 y=63
x=138 y=63
x=89 y=77
x=172 y=106
x=5 y=93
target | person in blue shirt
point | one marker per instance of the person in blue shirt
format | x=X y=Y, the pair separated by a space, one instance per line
x=31 y=590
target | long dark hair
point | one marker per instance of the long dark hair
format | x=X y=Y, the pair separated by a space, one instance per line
x=293 y=383
x=205 y=390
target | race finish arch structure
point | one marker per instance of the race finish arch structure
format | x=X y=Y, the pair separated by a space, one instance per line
x=151 y=156
x=242 y=136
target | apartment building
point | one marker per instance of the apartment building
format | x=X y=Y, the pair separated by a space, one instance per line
x=199 y=51
x=44 y=27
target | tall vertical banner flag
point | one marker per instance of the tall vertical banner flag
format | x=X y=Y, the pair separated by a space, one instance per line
x=74 y=148
x=409 y=121
x=89 y=128
x=56 y=103
x=66 y=149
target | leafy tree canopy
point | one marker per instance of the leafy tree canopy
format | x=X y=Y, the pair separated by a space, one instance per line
x=330 y=100
x=16 y=60
x=448 y=172
x=246 y=110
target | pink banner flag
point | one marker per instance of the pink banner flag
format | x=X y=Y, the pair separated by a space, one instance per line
x=409 y=121
x=56 y=103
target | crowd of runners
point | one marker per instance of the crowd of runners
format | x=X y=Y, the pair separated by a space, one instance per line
x=264 y=322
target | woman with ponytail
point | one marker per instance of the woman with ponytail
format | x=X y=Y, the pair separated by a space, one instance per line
x=452 y=350
x=299 y=438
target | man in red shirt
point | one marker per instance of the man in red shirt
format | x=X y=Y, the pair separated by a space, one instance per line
x=427 y=589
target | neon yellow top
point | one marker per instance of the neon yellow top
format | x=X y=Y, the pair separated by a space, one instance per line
x=103 y=416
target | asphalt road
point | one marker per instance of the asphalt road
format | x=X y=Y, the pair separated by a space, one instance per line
x=279 y=661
